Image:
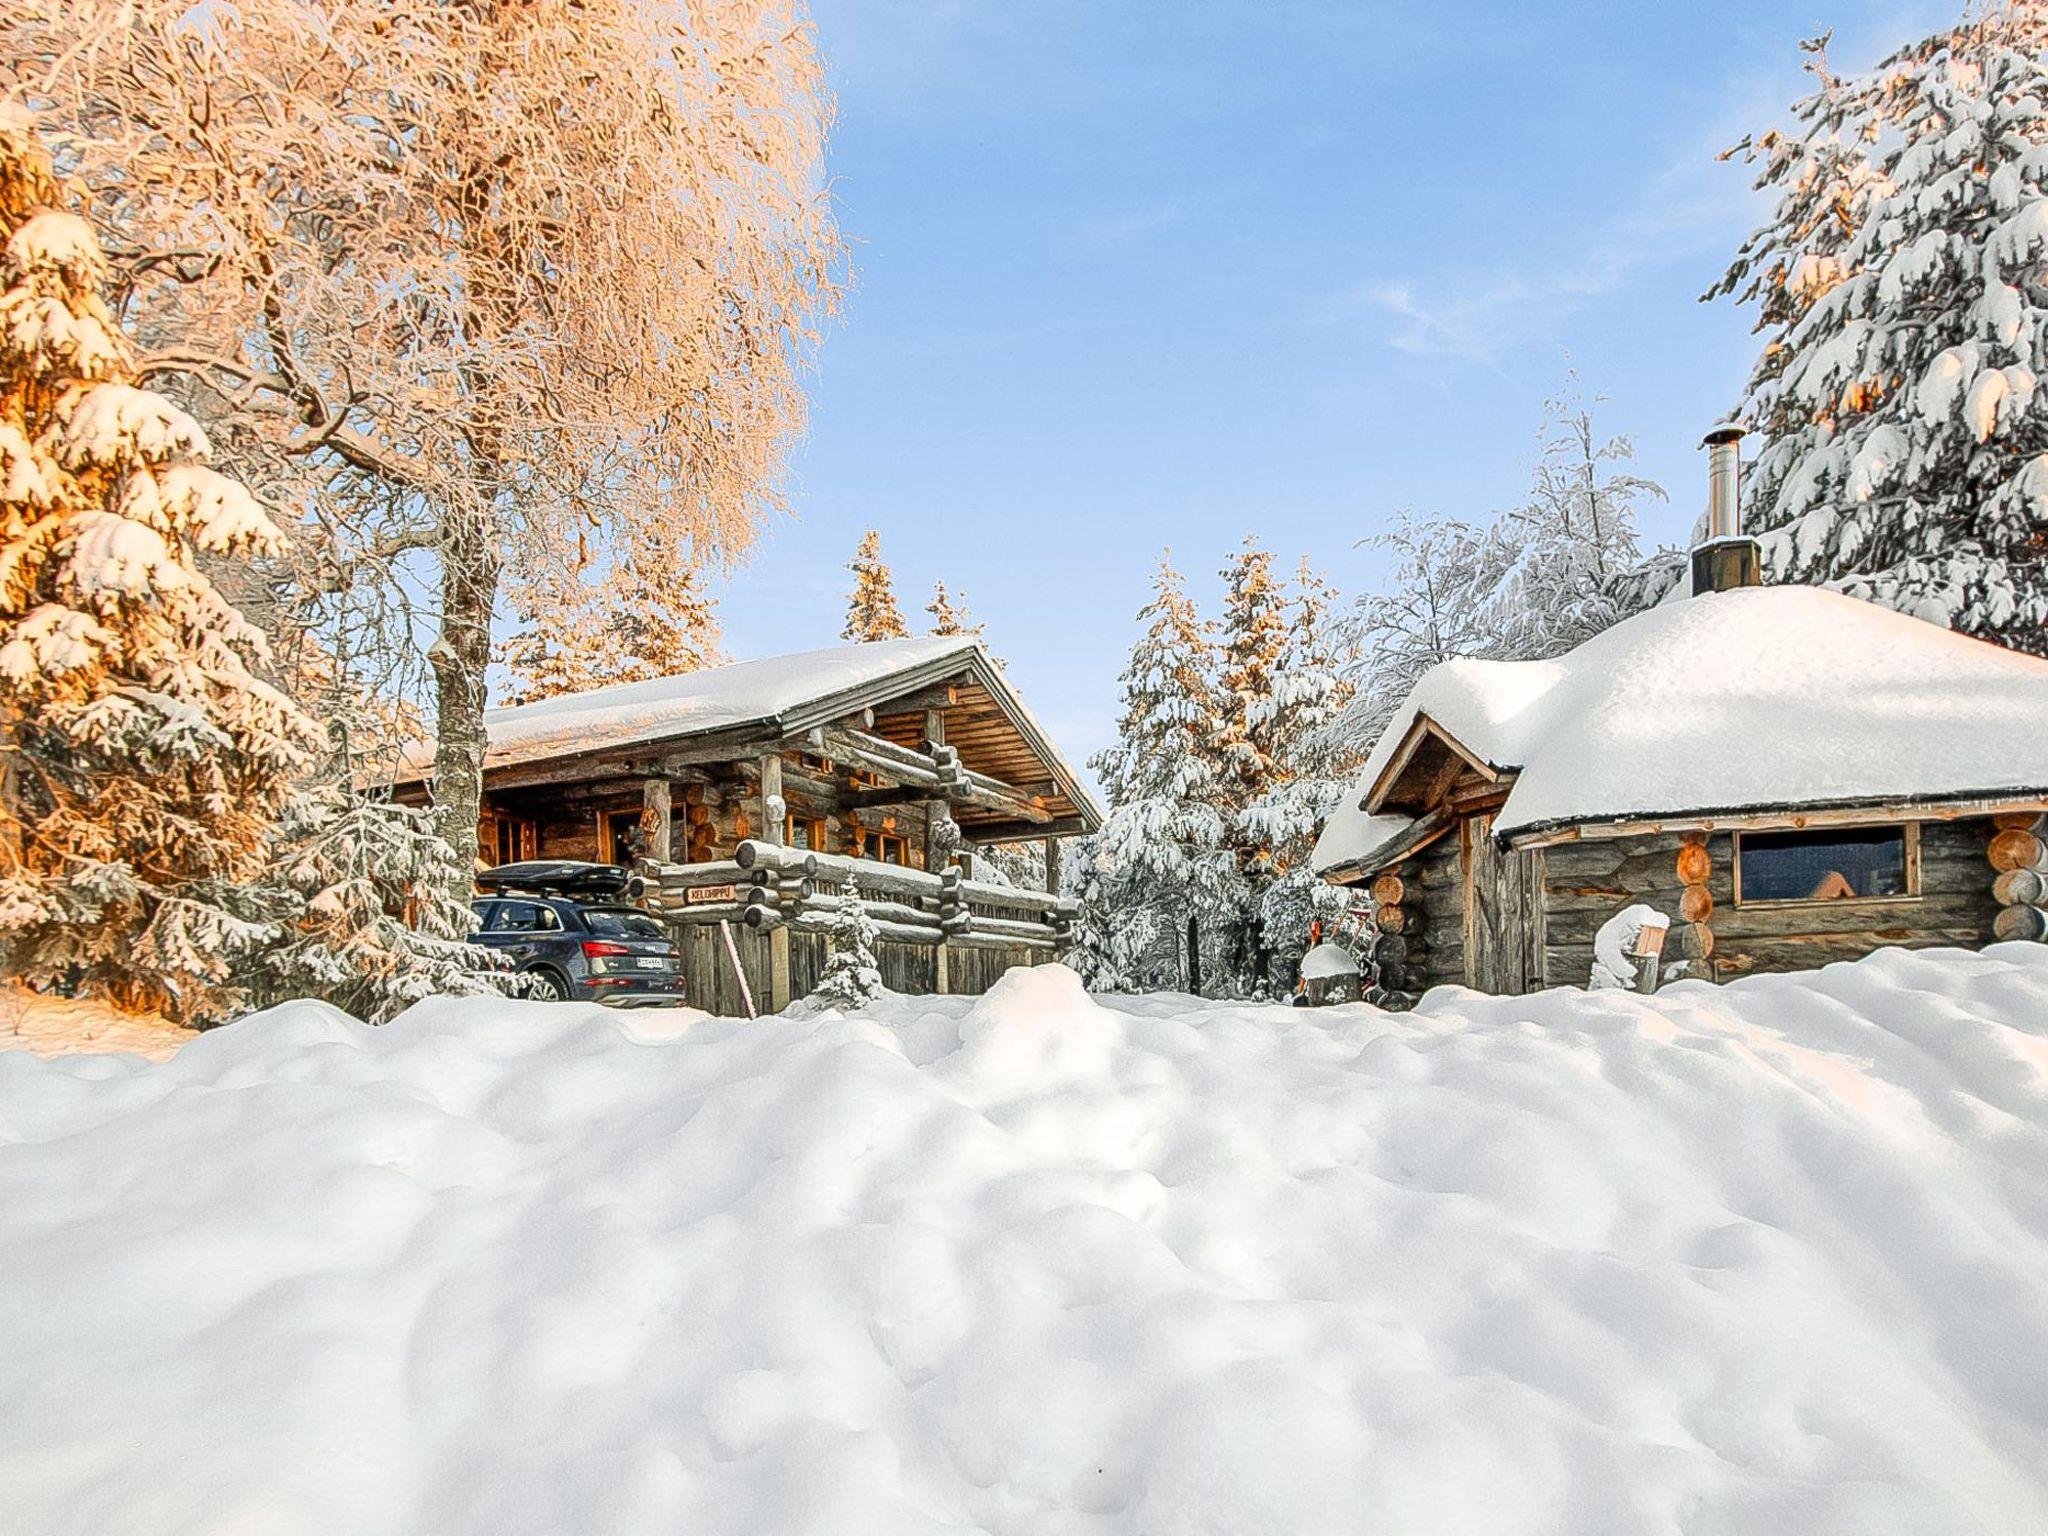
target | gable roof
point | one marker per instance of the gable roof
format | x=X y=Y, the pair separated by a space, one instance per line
x=1730 y=703
x=768 y=698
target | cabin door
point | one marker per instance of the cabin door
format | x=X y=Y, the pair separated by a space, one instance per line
x=1501 y=944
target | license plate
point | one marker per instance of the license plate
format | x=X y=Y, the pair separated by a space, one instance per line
x=652 y=963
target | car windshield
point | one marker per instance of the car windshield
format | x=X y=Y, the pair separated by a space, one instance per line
x=621 y=923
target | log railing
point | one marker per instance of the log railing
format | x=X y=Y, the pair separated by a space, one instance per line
x=765 y=886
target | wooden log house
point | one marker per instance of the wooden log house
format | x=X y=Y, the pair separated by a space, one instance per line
x=1792 y=775
x=748 y=795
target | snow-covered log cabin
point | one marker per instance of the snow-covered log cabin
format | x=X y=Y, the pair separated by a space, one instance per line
x=1792 y=775
x=750 y=793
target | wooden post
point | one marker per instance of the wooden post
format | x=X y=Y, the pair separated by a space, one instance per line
x=935 y=811
x=656 y=819
x=1052 y=866
x=772 y=812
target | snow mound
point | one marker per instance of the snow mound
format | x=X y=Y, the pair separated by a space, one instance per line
x=1762 y=1258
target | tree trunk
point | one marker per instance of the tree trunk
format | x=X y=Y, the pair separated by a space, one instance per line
x=1194 y=956
x=459 y=655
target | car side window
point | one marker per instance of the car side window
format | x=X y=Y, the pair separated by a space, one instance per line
x=515 y=917
x=482 y=911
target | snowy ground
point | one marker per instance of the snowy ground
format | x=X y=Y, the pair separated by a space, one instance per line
x=1769 y=1258
x=62 y=1026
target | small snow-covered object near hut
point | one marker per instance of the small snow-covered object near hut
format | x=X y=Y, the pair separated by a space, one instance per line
x=1627 y=947
x=1330 y=973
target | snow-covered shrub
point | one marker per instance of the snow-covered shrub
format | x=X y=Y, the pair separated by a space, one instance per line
x=361 y=890
x=853 y=977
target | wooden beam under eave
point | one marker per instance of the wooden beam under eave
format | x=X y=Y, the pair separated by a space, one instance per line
x=1790 y=817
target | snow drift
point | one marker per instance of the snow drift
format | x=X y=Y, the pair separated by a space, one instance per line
x=1771 y=1257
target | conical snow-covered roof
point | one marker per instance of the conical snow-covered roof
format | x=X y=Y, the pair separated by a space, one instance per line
x=1730 y=703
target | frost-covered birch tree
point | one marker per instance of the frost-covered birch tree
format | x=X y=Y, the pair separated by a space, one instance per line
x=144 y=758
x=1900 y=295
x=1576 y=539
x=460 y=276
x=872 y=612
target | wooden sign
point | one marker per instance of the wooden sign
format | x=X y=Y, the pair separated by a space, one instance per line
x=704 y=895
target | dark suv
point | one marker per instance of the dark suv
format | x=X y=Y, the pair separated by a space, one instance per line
x=564 y=925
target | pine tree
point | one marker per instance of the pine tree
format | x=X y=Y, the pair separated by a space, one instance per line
x=1898 y=291
x=852 y=977
x=949 y=613
x=1253 y=645
x=1164 y=840
x=144 y=758
x=645 y=617
x=871 y=610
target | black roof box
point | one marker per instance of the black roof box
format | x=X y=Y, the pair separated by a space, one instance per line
x=555 y=877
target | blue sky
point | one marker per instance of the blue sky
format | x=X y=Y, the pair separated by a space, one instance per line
x=1130 y=275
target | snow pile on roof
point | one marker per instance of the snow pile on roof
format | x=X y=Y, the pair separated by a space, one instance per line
x=1764 y=1258
x=1745 y=700
x=739 y=693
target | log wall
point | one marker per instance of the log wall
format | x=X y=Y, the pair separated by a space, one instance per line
x=1585 y=883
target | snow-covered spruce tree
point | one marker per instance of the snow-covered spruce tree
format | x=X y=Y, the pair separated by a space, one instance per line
x=1251 y=647
x=144 y=759
x=361 y=888
x=871 y=609
x=1313 y=764
x=645 y=615
x=1904 y=312
x=852 y=977
x=1163 y=844
x=949 y=612
x=1119 y=944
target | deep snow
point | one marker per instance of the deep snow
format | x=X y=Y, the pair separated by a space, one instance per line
x=1771 y=1257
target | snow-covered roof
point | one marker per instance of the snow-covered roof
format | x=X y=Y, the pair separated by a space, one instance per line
x=1729 y=703
x=770 y=688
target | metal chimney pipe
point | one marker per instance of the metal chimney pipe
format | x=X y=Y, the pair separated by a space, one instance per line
x=1726 y=559
x=1724 y=481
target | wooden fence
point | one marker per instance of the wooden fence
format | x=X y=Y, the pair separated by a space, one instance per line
x=767 y=913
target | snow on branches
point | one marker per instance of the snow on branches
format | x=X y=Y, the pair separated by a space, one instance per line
x=1899 y=293
x=852 y=977
x=872 y=612
x=145 y=759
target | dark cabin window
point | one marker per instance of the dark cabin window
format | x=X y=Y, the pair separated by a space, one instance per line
x=1837 y=864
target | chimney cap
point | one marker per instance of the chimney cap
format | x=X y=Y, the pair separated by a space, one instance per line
x=1723 y=432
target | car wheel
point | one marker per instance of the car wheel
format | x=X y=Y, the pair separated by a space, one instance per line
x=547 y=987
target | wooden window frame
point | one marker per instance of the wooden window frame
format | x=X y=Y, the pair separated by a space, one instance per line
x=815 y=832
x=607 y=845
x=882 y=840
x=1909 y=830
x=525 y=838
